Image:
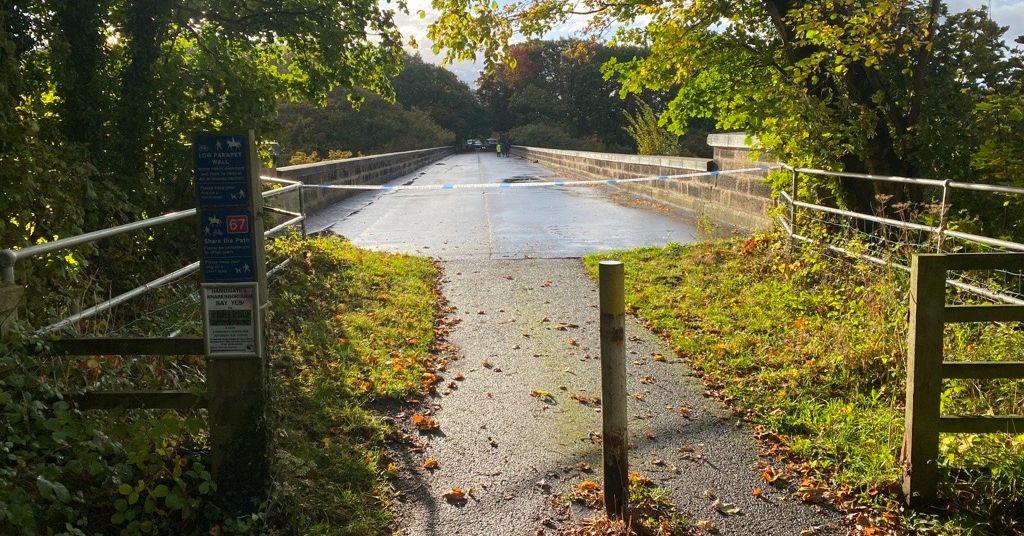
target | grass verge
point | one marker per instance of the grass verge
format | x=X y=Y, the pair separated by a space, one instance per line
x=813 y=348
x=347 y=328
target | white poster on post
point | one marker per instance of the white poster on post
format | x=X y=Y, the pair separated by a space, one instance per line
x=231 y=313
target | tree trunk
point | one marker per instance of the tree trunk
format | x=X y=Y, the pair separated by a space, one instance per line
x=145 y=28
x=80 y=29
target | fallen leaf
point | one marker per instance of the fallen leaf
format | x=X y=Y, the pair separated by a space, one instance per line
x=726 y=508
x=455 y=496
x=811 y=492
x=587 y=492
x=706 y=526
x=424 y=423
x=430 y=463
x=585 y=399
x=539 y=393
x=459 y=376
x=758 y=490
x=429 y=380
x=660 y=358
x=770 y=475
x=639 y=479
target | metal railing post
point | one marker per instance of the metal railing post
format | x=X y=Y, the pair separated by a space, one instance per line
x=615 y=439
x=924 y=379
x=302 y=208
x=940 y=237
x=7 y=260
x=792 y=212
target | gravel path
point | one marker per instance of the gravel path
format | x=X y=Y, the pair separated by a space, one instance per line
x=527 y=325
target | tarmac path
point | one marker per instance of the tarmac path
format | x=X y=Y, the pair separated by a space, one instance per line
x=527 y=323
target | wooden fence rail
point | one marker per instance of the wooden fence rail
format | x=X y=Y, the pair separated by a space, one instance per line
x=119 y=400
x=926 y=368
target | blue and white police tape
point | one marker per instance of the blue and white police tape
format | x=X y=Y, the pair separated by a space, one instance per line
x=533 y=184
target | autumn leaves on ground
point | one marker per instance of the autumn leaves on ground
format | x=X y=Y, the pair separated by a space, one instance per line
x=812 y=349
x=809 y=348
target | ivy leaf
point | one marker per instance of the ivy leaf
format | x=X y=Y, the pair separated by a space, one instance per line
x=52 y=490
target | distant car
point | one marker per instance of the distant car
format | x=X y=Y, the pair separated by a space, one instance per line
x=491 y=143
x=476 y=145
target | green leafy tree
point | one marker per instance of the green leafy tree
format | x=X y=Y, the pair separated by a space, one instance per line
x=100 y=100
x=374 y=127
x=552 y=136
x=844 y=84
x=650 y=136
x=431 y=108
x=559 y=83
x=438 y=92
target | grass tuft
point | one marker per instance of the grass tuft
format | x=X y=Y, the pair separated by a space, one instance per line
x=814 y=348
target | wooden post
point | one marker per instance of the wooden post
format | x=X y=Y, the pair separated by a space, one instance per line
x=613 y=389
x=234 y=279
x=924 y=379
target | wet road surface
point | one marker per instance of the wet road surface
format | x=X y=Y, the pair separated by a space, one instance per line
x=532 y=325
x=527 y=320
x=543 y=222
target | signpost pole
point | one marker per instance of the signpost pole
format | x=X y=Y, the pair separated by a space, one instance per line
x=234 y=298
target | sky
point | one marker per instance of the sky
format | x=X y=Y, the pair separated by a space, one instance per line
x=1005 y=12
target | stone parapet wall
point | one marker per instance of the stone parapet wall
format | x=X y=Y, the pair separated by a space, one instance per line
x=731 y=151
x=375 y=169
x=740 y=200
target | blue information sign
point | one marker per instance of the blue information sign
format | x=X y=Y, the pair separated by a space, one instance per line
x=227 y=239
x=222 y=177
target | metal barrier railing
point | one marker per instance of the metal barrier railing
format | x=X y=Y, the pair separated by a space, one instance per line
x=10 y=257
x=940 y=233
